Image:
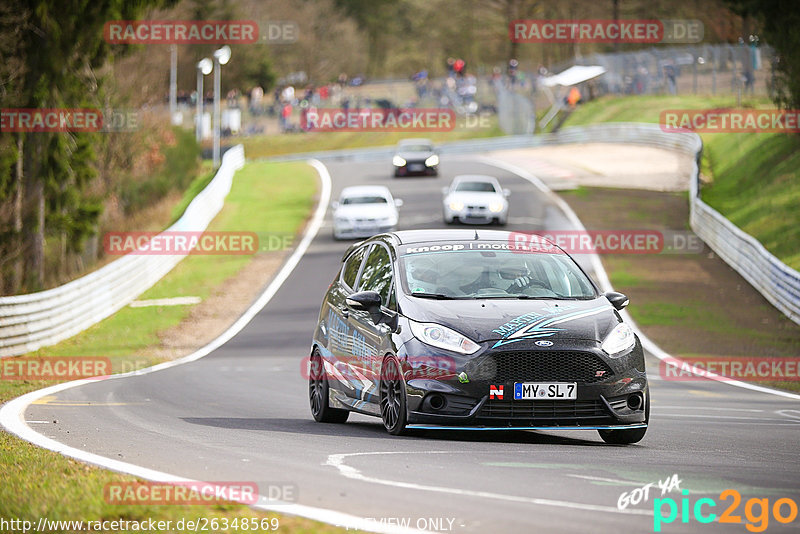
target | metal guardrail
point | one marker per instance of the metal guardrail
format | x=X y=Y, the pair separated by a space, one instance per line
x=29 y=322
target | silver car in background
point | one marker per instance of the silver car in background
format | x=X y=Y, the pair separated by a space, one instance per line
x=475 y=199
x=363 y=211
x=415 y=156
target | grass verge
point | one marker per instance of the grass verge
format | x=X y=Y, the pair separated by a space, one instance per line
x=755 y=177
x=40 y=483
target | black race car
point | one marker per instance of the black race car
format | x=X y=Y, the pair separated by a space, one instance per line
x=415 y=156
x=463 y=328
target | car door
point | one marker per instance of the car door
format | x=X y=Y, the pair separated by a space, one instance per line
x=372 y=341
x=340 y=336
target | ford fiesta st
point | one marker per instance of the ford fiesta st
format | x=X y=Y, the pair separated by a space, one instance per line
x=463 y=328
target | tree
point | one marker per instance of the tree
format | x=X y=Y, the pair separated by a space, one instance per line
x=57 y=49
x=376 y=18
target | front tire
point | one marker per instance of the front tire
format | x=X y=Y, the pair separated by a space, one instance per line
x=633 y=435
x=393 y=398
x=318 y=389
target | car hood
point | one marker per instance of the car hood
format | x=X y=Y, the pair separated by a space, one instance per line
x=414 y=155
x=474 y=197
x=509 y=321
x=365 y=211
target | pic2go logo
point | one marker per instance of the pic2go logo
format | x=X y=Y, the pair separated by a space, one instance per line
x=757 y=511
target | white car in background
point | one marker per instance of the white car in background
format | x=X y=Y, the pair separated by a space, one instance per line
x=363 y=211
x=475 y=199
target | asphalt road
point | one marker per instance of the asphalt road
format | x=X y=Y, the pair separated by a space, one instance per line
x=241 y=414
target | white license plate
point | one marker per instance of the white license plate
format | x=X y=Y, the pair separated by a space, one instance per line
x=545 y=390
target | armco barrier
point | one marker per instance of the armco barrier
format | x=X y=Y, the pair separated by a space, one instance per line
x=772 y=278
x=29 y=322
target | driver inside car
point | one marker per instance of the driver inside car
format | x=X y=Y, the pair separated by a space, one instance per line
x=522 y=279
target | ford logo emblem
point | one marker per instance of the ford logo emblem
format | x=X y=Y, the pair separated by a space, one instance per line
x=543 y=343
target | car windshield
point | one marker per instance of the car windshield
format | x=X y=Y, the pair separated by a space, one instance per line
x=364 y=200
x=482 y=187
x=416 y=148
x=487 y=274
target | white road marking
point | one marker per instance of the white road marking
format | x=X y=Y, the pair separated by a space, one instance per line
x=38 y=422
x=12 y=413
x=791 y=414
x=742 y=417
x=338 y=461
x=707 y=408
x=601 y=479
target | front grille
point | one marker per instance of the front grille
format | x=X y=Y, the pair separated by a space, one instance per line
x=541 y=366
x=542 y=409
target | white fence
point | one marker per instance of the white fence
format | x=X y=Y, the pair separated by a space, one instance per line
x=29 y=322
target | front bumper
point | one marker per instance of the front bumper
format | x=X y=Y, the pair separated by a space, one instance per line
x=360 y=232
x=415 y=167
x=475 y=215
x=600 y=403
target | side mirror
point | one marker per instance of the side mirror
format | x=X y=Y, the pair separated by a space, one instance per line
x=506 y=193
x=368 y=301
x=398 y=202
x=334 y=204
x=618 y=300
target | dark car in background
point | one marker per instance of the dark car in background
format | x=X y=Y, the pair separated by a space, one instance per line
x=415 y=157
x=438 y=329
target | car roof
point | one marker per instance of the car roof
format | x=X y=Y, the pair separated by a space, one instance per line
x=365 y=190
x=417 y=237
x=415 y=141
x=475 y=178
x=407 y=237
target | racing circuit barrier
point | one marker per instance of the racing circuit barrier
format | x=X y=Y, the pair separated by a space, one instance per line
x=779 y=283
x=29 y=322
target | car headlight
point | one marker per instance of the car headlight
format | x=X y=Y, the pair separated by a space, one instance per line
x=397 y=161
x=456 y=205
x=620 y=339
x=496 y=207
x=432 y=161
x=442 y=337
